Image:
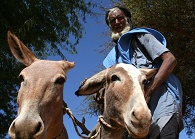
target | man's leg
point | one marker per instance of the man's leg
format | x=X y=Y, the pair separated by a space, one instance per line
x=171 y=129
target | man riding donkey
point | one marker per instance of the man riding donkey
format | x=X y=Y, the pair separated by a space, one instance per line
x=146 y=48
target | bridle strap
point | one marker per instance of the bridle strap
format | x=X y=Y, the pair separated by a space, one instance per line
x=101 y=120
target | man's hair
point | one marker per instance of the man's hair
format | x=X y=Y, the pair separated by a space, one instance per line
x=125 y=11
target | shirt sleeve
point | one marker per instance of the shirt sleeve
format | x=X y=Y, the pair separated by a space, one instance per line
x=110 y=59
x=152 y=45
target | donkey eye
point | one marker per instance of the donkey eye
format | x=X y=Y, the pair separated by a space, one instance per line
x=60 y=80
x=144 y=82
x=115 y=78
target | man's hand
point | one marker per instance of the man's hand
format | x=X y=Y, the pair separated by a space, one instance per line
x=148 y=91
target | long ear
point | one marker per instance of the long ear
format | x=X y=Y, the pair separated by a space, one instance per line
x=19 y=50
x=93 y=84
x=149 y=72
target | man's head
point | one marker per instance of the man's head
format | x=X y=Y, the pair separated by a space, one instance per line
x=119 y=21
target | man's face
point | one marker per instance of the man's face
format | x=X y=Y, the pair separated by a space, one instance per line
x=117 y=20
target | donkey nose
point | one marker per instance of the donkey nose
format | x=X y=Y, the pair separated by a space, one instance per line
x=141 y=117
x=26 y=128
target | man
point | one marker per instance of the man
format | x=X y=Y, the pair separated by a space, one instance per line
x=146 y=48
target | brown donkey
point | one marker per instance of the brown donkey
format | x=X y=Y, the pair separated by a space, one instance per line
x=40 y=97
x=125 y=107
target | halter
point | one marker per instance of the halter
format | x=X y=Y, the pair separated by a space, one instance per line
x=101 y=120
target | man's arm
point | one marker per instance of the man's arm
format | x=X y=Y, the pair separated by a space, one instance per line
x=168 y=65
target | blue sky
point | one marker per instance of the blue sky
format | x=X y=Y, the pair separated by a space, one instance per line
x=87 y=63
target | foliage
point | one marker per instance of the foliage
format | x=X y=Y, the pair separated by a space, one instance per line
x=47 y=28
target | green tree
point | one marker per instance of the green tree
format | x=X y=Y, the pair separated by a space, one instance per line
x=175 y=19
x=47 y=28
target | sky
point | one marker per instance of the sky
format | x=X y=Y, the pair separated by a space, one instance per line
x=87 y=63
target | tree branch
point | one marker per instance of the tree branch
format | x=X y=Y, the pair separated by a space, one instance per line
x=75 y=121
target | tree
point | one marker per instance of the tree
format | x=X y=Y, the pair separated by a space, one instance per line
x=47 y=28
x=175 y=20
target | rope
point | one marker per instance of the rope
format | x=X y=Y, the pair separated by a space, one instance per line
x=75 y=126
x=101 y=119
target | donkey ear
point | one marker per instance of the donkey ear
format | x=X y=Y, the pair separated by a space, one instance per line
x=19 y=50
x=66 y=65
x=149 y=72
x=92 y=85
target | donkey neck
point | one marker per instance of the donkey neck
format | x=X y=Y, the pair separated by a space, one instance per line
x=58 y=130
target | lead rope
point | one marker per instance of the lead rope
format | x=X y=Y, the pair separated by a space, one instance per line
x=101 y=119
x=68 y=111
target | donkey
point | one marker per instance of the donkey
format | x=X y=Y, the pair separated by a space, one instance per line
x=125 y=107
x=40 y=97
